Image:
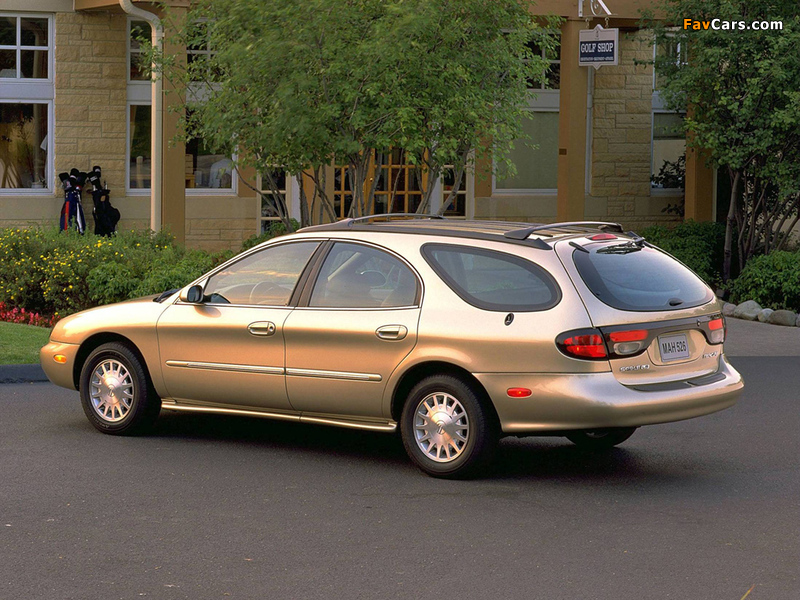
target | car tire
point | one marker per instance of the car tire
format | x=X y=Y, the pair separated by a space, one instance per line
x=116 y=392
x=600 y=439
x=447 y=429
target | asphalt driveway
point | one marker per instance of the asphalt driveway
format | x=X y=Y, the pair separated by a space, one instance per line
x=212 y=507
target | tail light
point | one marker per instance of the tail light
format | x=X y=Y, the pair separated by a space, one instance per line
x=717 y=330
x=587 y=344
x=627 y=342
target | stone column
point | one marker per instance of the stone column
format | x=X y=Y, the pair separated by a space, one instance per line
x=571 y=127
x=173 y=183
x=699 y=187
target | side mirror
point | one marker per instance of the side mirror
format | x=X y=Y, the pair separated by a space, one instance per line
x=192 y=295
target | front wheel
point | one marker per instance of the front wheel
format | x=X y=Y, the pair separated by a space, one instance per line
x=116 y=393
x=446 y=429
x=600 y=439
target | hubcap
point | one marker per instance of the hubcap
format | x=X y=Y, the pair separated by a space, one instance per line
x=441 y=427
x=111 y=390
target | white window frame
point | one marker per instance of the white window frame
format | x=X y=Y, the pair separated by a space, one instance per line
x=129 y=191
x=18 y=47
x=129 y=52
x=291 y=198
x=33 y=91
x=554 y=61
x=654 y=191
x=231 y=191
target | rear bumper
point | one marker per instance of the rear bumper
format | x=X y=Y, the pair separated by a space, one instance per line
x=562 y=402
x=59 y=373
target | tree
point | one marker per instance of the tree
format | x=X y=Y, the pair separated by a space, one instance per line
x=738 y=87
x=305 y=84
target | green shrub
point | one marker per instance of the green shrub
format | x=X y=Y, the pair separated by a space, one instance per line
x=697 y=245
x=54 y=272
x=276 y=229
x=772 y=280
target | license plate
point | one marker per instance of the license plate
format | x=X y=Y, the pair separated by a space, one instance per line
x=673 y=347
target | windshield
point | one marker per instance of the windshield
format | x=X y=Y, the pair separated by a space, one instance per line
x=640 y=279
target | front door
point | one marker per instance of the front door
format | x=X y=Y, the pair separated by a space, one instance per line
x=357 y=324
x=229 y=349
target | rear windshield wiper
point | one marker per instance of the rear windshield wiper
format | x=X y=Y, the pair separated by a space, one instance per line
x=633 y=245
x=625 y=248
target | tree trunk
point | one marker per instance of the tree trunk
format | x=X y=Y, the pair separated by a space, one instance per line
x=729 y=223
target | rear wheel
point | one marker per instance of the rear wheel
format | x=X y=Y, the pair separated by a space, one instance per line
x=600 y=439
x=446 y=429
x=116 y=393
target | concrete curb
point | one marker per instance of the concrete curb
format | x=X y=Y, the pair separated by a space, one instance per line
x=22 y=373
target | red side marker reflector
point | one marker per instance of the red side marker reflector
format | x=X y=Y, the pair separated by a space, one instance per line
x=603 y=236
x=715 y=324
x=634 y=335
x=518 y=392
x=60 y=358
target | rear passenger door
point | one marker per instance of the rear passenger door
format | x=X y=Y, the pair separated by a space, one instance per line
x=354 y=324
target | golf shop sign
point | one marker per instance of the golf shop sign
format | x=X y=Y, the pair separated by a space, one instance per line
x=598 y=47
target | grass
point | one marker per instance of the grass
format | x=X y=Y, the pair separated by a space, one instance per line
x=20 y=344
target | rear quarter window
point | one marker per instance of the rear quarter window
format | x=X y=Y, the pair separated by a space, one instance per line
x=642 y=280
x=493 y=280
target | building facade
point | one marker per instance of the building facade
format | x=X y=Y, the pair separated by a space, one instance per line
x=71 y=96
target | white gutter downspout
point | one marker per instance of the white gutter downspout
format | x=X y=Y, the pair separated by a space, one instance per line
x=156 y=121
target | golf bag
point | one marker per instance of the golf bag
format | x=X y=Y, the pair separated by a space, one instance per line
x=105 y=216
x=72 y=210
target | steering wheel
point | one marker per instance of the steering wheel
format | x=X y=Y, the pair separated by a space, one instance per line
x=261 y=289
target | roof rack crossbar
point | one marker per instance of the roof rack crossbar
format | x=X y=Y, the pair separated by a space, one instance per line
x=388 y=217
x=521 y=234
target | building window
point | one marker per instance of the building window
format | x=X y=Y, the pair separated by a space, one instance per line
x=267 y=214
x=198 y=53
x=670 y=50
x=24 y=145
x=668 y=168
x=24 y=47
x=537 y=167
x=137 y=30
x=139 y=144
x=551 y=78
x=206 y=170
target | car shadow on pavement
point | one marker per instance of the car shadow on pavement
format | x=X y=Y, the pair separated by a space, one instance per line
x=533 y=458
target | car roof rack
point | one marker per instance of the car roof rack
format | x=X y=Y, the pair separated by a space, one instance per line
x=349 y=222
x=426 y=224
x=521 y=234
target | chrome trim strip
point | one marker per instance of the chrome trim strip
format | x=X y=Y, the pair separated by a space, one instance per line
x=226 y=367
x=334 y=375
x=231 y=411
x=388 y=426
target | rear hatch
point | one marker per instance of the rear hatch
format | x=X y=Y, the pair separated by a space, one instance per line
x=660 y=323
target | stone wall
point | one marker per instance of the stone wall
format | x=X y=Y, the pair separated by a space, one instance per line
x=621 y=140
x=220 y=222
x=90 y=105
x=620 y=158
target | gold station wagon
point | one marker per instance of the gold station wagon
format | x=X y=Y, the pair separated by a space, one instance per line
x=457 y=332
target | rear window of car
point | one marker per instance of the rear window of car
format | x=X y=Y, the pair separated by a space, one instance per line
x=493 y=280
x=643 y=279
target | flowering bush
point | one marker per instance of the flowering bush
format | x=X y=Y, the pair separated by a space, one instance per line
x=57 y=273
x=20 y=315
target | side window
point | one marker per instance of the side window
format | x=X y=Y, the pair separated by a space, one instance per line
x=493 y=280
x=266 y=277
x=356 y=276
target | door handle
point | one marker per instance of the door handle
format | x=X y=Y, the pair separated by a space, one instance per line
x=392 y=332
x=262 y=328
